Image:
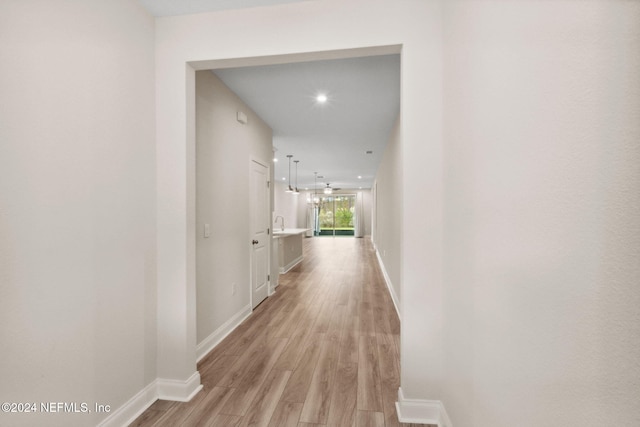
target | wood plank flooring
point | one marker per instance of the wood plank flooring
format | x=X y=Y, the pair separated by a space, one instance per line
x=322 y=351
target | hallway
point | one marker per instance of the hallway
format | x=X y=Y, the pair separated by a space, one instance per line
x=323 y=350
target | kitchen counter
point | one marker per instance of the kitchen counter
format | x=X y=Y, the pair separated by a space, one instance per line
x=289 y=247
x=289 y=232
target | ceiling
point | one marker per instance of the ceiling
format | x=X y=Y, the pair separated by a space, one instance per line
x=185 y=7
x=331 y=139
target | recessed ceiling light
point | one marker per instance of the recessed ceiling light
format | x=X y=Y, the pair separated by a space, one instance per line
x=275 y=159
x=359 y=176
x=321 y=98
x=284 y=178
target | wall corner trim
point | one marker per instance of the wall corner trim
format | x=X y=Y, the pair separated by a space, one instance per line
x=124 y=415
x=387 y=279
x=181 y=391
x=210 y=342
x=421 y=411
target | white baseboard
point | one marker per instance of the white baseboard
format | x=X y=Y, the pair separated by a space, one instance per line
x=387 y=279
x=124 y=415
x=219 y=334
x=421 y=411
x=181 y=391
x=292 y=264
x=166 y=389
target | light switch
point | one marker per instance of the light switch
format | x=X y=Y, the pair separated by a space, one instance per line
x=207 y=230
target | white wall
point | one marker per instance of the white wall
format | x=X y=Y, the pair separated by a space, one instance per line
x=303 y=209
x=224 y=149
x=268 y=35
x=388 y=184
x=540 y=233
x=287 y=205
x=542 y=107
x=367 y=207
x=77 y=222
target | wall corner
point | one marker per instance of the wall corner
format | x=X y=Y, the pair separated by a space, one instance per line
x=421 y=411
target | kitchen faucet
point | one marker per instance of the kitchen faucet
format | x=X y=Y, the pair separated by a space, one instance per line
x=276 y=221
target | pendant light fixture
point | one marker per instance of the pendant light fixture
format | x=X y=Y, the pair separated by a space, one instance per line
x=289 y=188
x=295 y=191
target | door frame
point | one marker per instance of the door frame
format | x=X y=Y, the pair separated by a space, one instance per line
x=176 y=323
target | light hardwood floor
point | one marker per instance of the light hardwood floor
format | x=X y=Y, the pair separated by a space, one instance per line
x=322 y=351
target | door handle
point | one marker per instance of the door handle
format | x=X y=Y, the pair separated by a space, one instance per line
x=254 y=242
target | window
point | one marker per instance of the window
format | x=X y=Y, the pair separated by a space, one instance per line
x=336 y=215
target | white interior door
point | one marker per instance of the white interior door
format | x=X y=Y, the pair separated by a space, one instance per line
x=260 y=237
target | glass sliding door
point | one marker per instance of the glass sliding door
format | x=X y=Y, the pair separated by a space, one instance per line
x=336 y=215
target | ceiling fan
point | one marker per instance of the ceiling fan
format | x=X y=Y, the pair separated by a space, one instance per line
x=328 y=189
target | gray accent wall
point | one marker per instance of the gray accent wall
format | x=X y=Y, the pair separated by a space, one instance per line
x=224 y=149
